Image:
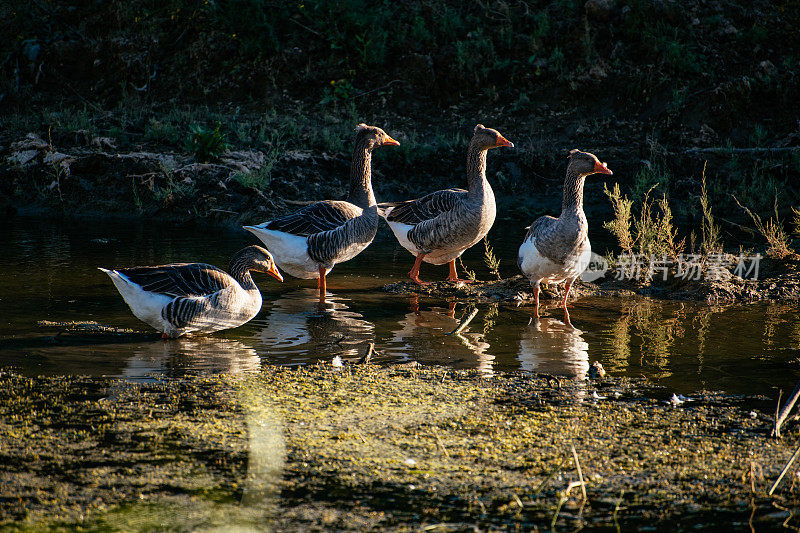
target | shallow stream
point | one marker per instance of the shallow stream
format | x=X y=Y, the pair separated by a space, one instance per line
x=49 y=274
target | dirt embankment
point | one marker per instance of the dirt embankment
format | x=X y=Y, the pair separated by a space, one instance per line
x=363 y=447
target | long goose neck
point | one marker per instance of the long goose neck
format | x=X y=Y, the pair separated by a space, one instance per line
x=240 y=271
x=572 y=201
x=361 y=176
x=476 y=170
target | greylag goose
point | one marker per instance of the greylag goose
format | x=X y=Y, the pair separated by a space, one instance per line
x=183 y=298
x=437 y=228
x=311 y=241
x=558 y=249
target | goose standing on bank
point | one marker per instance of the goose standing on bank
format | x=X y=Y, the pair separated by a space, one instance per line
x=183 y=298
x=558 y=249
x=308 y=243
x=439 y=227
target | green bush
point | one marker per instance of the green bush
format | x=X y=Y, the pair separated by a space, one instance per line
x=206 y=144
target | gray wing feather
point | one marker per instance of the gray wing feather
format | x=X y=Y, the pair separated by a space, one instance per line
x=540 y=227
x=315 y=218
x=180 y=279
x=181 y=311
x=430 y=206
x=325 y=246
x=556 y=242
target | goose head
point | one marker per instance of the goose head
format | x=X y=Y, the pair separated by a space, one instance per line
x=487 y=138
x=255 y=259
x=584 y=163
x=373 y=136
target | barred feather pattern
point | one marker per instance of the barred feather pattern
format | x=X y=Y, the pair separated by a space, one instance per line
x=336 y=230
x=330 y=247
x=179 y=279
x=316 y=218
x=449 y=221
x=204 y=297
x=430 y=206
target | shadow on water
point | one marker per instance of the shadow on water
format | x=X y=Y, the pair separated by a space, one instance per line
x=50 y=275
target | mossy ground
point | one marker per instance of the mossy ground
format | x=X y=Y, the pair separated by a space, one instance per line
x=365 y=447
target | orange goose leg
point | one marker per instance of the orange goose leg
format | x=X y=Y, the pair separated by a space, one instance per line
x=321 y=285
x=567 y=288
x=414 y=274
x=536 y=297
x=453 y=276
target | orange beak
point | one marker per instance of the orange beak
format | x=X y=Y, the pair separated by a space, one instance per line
x=502 y=141
x=601 y=168
x=273 y=271
x=391 y=142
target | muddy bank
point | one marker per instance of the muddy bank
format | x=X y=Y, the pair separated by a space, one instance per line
x=781 y=282
x=364 y=447
x=162 y=184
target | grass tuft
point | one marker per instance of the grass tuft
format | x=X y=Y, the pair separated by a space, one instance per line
x=772 y=231
x=491 y=260
x=620 y=225
x=653 y=237
x=711 y=241
x=206 y=144
x=796 y=222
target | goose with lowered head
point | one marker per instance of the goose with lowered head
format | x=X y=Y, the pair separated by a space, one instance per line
x=183 y=298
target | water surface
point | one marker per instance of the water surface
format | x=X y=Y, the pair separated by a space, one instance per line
x=50 y=274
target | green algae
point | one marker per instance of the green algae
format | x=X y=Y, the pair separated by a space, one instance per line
x=364 y=447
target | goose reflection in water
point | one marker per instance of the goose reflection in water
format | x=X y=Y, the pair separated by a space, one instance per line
x=423 y=336
x=205 y=355
x=295 y=325
x=550 y=346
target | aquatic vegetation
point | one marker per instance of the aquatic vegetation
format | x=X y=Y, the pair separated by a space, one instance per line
x=310 y=447
x=772 y=230
x=467 y=272
x=650 y=234
x=620 y=225
x=710 y=230
x=490 y=260
x=796 y=221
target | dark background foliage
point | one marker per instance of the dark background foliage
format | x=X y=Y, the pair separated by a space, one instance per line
x=643 y=83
